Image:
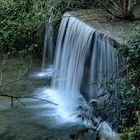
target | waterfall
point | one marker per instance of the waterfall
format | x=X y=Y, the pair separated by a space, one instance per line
x=47 y=60
x=82 y=56
x=104 y=64
x=73 y=44
x=81 y=53
x=48 y=41
x=48 y=47
x=77 y=41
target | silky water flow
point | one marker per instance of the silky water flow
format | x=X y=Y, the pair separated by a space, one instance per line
x=77 y=43
x=47 y=58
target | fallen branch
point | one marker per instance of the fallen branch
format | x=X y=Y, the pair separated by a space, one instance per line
x=10 y=83
x=21 y=97
x=22 y=73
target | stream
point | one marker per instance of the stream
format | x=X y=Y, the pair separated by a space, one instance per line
x=32 y=121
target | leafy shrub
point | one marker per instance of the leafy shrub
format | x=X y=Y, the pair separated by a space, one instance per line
x=127 y=103
x=19 y=27
x=22 y=22
x=122 y=111
x=132 y=133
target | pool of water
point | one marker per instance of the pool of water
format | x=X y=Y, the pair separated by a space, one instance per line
x=33 y=120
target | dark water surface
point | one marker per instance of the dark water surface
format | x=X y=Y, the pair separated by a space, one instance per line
x=29 y=122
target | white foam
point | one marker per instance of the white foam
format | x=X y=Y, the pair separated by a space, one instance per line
x=63 y=112
x=46 y=73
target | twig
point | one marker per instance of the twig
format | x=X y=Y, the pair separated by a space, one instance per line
x=10 y=83
x=22 y=72
x=20 y=75
x=20 y=101
x=102 y=95
x=20 y=97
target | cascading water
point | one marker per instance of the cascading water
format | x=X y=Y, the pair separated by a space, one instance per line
x=48 y=45
x=78 y=43
x=104 y=64
x=74 y=40
x=48 y=42
x=47 y=52
x=48 y=48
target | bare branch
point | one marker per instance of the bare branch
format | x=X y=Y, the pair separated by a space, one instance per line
x=10 y=83
x=22 y=72
x=22 y=97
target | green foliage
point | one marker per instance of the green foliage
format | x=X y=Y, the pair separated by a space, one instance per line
x=122 y=9
x=122 y=111
x=131 y=51
x=62 y=6
x=132 y=133
x=127 y=105
x=18 y=27
x=22 y=22
x=131 y=88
